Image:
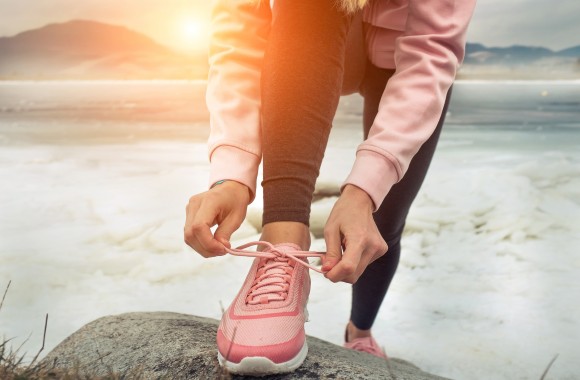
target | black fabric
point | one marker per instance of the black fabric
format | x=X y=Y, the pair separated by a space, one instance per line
x=369 y=291
x=301 y=83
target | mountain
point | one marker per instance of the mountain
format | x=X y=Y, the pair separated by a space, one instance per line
x=477 y=53
x=480 y=54
x=519 y=62
x=570 y=52
x=83 y=49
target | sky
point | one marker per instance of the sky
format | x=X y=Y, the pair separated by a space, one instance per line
x=185 y=24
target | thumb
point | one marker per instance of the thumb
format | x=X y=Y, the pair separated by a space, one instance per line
x=226 y=228
x=333 y=249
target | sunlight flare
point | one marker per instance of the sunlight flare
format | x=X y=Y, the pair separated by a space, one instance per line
x=194 y=33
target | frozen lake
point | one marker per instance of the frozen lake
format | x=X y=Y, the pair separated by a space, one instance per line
x=95 y=177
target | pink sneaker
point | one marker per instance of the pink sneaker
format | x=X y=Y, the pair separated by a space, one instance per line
x=368 y=345
x=262 y=331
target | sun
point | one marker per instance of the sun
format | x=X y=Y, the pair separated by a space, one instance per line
x=194 y=33
x=192 y=29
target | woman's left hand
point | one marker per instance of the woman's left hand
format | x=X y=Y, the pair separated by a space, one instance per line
x=351 y=225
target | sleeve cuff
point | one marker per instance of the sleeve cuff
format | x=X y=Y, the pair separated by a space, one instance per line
x=373 y=173
x=231 y=163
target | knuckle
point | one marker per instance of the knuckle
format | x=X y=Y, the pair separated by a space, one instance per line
x=376 y=246
x=188 y=236
x=193 y=200
x=333 y=279
x=196 y=228
x=348 y=268
x=384 y=247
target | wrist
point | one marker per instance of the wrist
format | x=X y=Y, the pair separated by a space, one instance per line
x=235 y=187
x=358 y=195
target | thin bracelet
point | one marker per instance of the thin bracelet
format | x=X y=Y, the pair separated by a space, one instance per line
x=218 y=183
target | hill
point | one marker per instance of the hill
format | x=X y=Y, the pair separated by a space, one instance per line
x=520 y=62
x=83 y=49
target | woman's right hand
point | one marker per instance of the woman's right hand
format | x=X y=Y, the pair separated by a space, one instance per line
x=224 y=205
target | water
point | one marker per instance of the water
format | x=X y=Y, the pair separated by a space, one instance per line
x=531 y=106
x=524 y=116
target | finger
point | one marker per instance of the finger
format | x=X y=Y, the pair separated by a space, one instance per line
x=348 y=263
x=367 y=257
x=194 y=243
x=333 y=248
x=225 y=230
x=206 y=240
x=373 y=250
x=188 y=235
x=190 y=211
x=200 y=231
x=383 y=250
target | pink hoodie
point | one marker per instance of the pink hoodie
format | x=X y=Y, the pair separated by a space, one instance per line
x=423 y=39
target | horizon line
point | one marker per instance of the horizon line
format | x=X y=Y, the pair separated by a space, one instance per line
x=169 y=45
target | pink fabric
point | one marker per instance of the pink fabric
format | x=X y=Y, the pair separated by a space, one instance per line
x=274 y=329
x=368 y=345
x=423 y=40
x=245 y=167
x=278 y=353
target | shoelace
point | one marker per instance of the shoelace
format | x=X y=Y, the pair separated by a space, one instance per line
x=272 y=280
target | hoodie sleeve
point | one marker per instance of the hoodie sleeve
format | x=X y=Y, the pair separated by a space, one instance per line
x=240 y=30
x=427 y=57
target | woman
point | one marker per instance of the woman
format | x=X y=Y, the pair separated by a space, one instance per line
x=276 y=75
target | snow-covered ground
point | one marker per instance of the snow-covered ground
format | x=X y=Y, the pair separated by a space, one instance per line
x=91 y=225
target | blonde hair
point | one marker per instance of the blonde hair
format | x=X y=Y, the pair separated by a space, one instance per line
x=351 y=6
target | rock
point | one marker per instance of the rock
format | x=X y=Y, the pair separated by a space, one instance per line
x=179 y=346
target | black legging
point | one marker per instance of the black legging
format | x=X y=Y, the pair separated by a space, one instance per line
x=302 y=78
x=370 y=289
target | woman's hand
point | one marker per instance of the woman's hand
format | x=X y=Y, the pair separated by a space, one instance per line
x=351 y=225
x=224 y=205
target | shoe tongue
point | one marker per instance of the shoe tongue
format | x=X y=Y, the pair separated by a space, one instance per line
x=274 y=282
x=279 y=270
x=287 y=247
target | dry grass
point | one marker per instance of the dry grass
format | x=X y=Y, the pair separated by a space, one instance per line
x=14 y=367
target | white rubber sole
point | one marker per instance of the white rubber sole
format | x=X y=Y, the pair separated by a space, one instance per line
x=261 y=366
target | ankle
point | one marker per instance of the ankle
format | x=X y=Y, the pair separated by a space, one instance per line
x=287 y=232
x=353 y=332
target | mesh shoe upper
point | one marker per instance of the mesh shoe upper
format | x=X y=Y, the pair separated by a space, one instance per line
x=268 y=314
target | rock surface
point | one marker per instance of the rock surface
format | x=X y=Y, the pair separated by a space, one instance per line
x=178 y=346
